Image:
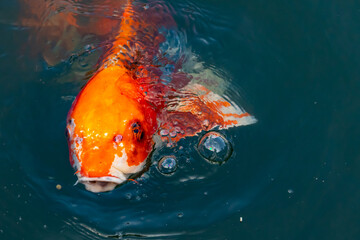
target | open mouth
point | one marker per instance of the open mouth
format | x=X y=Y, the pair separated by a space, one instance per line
x=100 y=184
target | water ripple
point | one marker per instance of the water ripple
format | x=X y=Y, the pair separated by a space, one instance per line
x=197 y=194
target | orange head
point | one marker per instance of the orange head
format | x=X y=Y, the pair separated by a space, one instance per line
x=110 y=129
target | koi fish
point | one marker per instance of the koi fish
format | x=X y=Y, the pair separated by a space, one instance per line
x=113 y=121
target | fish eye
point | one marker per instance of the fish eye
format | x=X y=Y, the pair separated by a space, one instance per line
x=118 y=138
x=137 y=131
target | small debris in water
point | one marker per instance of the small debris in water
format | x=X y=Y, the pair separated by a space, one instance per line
x=241 y=219
x=68 y=98
x=58 y=187
x=128 y=196
x=290 y=191
x=167 y=165
x=180 y=215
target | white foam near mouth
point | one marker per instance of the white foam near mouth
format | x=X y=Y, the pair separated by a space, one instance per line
x=101 y=184
x=116 y=180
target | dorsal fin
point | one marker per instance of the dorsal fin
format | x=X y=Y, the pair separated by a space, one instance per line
x=138 y=38
x=195 y=108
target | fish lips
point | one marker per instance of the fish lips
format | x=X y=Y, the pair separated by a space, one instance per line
x=101 y=184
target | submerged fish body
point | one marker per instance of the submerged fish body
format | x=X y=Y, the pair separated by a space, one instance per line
x=111 y=123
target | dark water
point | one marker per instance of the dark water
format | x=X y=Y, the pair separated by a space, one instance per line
x=292 y=175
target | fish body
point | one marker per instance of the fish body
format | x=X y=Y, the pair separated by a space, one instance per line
x=112 y=121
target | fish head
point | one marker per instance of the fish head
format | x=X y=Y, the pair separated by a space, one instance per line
x=109 y=138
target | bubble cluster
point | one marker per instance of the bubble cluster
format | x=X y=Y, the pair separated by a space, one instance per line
x=167 y=165
x=214 y=147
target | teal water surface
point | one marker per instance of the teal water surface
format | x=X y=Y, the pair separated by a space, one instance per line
x=292 y=175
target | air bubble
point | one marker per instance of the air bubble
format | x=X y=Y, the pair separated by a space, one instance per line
x=164 y=132
x=173 y=134
x=214 y=147
x=177 y=129
x=167 y=165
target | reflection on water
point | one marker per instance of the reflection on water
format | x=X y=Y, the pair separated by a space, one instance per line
x=292 y=174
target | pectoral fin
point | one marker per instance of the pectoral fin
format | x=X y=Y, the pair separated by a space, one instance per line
x=195 y=108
